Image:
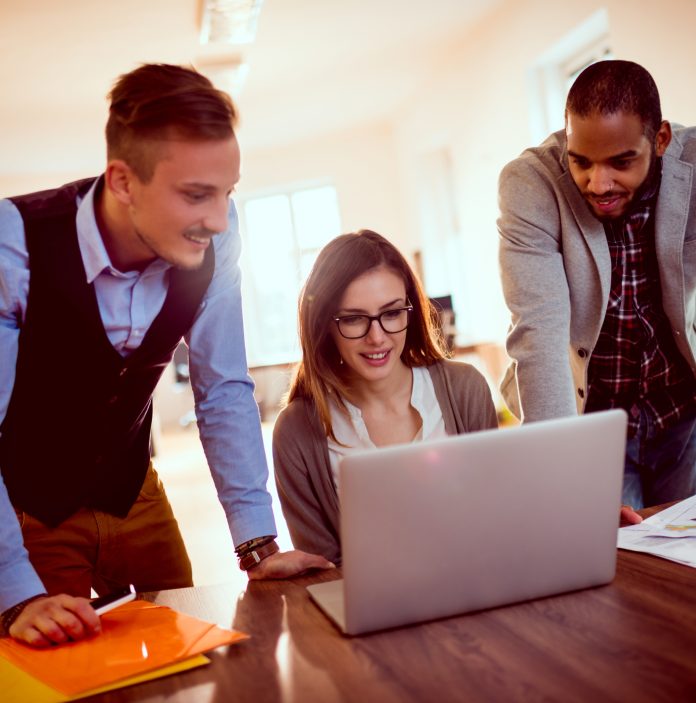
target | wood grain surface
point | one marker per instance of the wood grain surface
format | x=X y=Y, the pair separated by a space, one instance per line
x=630 y=641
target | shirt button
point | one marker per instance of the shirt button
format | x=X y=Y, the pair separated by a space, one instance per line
x=581 y=392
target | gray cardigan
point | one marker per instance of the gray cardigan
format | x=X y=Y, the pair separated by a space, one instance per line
x=301 y=456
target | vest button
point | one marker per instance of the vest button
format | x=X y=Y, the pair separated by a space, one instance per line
x=123 y=371
x=113 y=399
x=581 y=392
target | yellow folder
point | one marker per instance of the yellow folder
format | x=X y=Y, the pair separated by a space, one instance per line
x=20 y=687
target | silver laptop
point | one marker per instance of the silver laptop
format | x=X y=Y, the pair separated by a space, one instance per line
x=440 y=528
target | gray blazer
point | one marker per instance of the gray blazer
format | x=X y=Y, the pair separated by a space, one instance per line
x=556 y=272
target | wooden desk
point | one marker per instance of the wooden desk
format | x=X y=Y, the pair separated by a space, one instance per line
x=633 y=640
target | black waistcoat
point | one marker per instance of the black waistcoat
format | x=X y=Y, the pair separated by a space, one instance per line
x=77 y=429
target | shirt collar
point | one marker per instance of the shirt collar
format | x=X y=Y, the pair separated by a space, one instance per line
x=95 y=257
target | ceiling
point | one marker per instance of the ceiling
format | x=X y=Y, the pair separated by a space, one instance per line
x=317 y=66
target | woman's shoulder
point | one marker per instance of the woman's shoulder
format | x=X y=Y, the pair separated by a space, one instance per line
x=464 y=389
x=297 y=413
x=295 y=433
x=299 y=423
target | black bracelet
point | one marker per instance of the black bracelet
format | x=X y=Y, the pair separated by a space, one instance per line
x=11 y=614
x=248 y=546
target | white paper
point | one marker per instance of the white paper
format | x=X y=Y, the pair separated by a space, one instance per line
x=670 y=534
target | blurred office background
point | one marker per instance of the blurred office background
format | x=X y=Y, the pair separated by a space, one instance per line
x=379 y=114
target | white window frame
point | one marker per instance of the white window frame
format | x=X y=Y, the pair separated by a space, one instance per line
x=553 y=72
x=257 y=351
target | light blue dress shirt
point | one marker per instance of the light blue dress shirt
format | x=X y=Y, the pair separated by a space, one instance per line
x=228 y=417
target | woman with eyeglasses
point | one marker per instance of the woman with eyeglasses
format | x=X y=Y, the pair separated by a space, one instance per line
x=373 y=373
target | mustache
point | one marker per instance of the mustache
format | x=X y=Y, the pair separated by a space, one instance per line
x=200 y=232
x=605 y=195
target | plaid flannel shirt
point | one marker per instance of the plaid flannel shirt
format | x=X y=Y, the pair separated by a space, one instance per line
x=635 y=364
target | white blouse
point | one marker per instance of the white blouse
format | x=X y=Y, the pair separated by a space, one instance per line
x=352 y=433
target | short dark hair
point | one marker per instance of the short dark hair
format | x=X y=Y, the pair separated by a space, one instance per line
x=319 y=374
x=607 y=87
x=156 y=102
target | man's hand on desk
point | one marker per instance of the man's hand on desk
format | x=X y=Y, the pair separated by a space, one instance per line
x=628 y=516
x=282 y=565
x=55 y=620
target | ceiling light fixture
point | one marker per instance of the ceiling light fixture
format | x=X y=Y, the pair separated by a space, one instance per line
x=229 y=21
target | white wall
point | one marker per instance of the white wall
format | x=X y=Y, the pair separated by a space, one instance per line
x=476 y=106
x=479 y=106
x=360 y=163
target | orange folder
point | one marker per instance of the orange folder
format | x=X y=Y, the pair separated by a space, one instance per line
x=135 y=638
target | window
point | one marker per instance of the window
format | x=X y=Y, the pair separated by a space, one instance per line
x=555 y=70
x=282 y=234
x=571 y=69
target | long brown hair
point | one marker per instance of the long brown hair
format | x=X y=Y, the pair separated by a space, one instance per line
x=318 y=375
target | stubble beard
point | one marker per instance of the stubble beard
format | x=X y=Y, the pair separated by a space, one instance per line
x=174 y=261
x=655 y=166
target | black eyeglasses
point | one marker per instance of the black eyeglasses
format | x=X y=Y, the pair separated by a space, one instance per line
x=357 y=326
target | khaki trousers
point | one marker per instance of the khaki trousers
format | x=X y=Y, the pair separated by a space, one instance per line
x=92 y=549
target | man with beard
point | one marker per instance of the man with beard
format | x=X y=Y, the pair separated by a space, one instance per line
x=598 y=263
x=99 y=281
